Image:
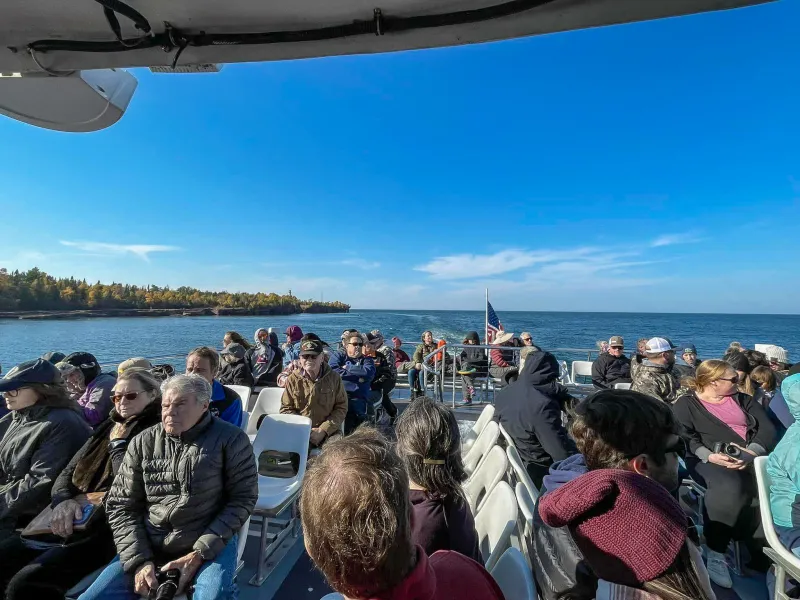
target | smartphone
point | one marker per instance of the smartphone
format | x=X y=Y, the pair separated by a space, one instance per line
x=87 y=512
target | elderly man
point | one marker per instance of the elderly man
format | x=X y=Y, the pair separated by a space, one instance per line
x=225 y=403
x=613 y=366
x=373 y=490
x=313 y=390
x=653 y=374
x=357 y=372
x=185 y=487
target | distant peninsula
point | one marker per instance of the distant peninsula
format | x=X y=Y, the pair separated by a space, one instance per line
x=34 y=294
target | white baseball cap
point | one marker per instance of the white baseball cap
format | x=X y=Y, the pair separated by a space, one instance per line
x=657 y=345
x=777 y=354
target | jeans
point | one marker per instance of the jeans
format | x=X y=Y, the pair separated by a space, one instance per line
x=214 y=580
x=414 y=374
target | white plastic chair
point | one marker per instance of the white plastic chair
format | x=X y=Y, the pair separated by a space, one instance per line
x=527 y=507
x=469 y=438
x=495 y=522
x=283 y=433
x=622 y=386
x=563 y=373
x=515 y=460
x=244 y=393
x=507 y=436
x=245 y=420
x=514 y=576
x=491 y=470
x=481 y=447
x=580 y=368
x=786 y=563
x=268 y=403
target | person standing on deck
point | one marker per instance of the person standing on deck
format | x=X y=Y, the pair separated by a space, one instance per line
x=225 y=403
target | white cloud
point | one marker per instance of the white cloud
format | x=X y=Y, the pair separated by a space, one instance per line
x=143 y=251
x=675 y=238
x=360 y=263
x=467 y=266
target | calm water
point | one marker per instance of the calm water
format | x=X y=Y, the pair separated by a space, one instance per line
x=114 y=340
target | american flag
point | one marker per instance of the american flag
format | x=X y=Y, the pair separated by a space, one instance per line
x=493 y=324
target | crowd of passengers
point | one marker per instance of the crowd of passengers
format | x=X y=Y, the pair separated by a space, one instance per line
x=169 y=475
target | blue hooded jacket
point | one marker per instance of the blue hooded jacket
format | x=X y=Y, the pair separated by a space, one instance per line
x=783 y=465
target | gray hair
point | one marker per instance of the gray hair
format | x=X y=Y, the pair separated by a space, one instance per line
x=188 y=385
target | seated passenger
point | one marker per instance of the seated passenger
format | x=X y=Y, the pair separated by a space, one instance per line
x=52 y=357
x=652 y=375
x=503 y=364
x=402 y=361
x=779 y=362
x=234 y=369
x=295 y=364
x=313 y=390
x=225 y=403
x=690 y=362
x=357 y=372
x=526 y=338
x=37 y=438
x=291 y=349
x=533 y=418
x=613 y=429
x=715 y=413
x=234 y=337
x=739 y=362
x=613 y=366
x=377 y=559
x=632 y=533
x=265 y=361
x=46 y=574
x=385 y=371
x=95 y=387
x=429 y=444
x=764 y=379
x=472 y=362
x=184 y=489
x=416 y=374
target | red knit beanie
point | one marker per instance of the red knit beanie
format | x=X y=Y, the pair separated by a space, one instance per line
x=628 y=527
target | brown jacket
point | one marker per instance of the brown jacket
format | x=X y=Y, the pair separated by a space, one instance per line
x=324 y=401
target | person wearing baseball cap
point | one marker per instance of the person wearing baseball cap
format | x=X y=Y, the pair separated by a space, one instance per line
x=612 y=367
x=96 y=386
x=653 y=375
x=40 y=436
x=234 y=369
x=315 y=391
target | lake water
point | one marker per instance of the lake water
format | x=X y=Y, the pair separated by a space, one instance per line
x=114 y=340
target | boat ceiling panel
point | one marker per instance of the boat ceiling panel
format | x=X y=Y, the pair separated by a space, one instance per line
x=25 y=21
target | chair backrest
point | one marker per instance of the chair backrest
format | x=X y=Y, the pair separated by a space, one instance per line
x=507 y=436
x=268 y=403
x=245 y=420
x=527 y=506
x=491 y=470
x=242 y=541
x=244 y=393
x=515 y=460
x=486 y=415
x=481 y=447
x=514 y=576
x=622 y=386
x=580 y=368
x=763 y=482
x=495 y=522
x=563 y=373
x=284 y=433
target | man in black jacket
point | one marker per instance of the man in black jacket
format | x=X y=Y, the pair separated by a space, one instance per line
x=613 y=429
x=613 y=366
x=530 y=412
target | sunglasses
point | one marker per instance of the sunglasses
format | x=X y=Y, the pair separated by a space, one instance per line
x=734 y=379
x=356 y=345
x=618 y=347
x=13 y=393
x=128 y=396
x=526 y=339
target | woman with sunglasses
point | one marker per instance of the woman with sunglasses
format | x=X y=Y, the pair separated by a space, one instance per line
x=47 y=574
x=724 y=429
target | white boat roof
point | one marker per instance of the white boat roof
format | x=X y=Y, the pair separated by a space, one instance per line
x=52 y=27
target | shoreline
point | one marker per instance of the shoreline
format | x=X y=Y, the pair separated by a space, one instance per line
x=43 y=315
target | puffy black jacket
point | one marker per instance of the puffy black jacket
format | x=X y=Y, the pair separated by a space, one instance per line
x=174 y=494
x=236 y=373
x=608 y=370
x=532 y=418
x=36 y=443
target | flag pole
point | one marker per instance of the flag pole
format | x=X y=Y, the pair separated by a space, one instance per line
x=486 y=319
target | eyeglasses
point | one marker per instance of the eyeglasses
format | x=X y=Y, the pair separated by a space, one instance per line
x=526 y=339
x=356 y=345
x=734 y=379
x=127 y=396
x=13 y=393
x=617 y=347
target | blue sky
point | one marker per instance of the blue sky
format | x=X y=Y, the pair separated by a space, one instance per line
x=645 y=167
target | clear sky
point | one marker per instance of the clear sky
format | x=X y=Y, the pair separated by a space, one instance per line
x=645 y=167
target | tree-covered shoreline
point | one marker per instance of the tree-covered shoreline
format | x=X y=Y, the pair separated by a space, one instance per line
x=35 y=290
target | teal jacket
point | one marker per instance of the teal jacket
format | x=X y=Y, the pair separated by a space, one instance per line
x=783 y=465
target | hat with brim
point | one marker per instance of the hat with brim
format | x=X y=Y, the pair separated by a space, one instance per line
x=502 y=337
x=235 y=350
x=134 y=363
x=658 y=345
x=31 y=372
x=311 y=347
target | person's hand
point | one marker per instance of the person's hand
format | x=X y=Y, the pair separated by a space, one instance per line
x=418 y=366
x=145 y=579
x=723 y=460
x=188 y=566
x=64 y=514
x=317 y=436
